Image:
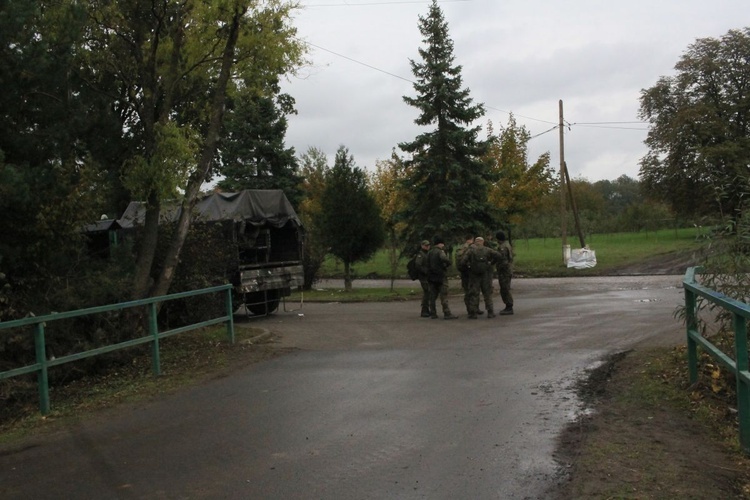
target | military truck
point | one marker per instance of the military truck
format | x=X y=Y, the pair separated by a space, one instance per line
x=265 y=238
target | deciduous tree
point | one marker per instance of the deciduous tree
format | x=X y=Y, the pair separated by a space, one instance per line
x=520 y=186
x=175 y=64
x=699 y=136
x=314 y=166
x=391 y=196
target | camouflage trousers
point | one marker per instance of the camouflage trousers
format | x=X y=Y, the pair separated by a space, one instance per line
x=479 y=284
x=465 y=286
x=425 y=295
x=503 y=280
x=439 y=290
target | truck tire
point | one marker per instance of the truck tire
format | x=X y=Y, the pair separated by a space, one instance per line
x=259 y=303
x=264 y=308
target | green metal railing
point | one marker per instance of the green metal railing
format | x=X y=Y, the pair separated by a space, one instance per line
x=43 y=364
x=740 y=316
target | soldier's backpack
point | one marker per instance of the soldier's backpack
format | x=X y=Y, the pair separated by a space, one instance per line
x=411 y=268
x=461 y=262
x=479 y=263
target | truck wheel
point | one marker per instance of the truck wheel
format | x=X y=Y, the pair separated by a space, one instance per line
x=256 y=305
x=266 y=308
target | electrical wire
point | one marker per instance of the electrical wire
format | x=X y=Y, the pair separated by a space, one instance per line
x=392 y=2
x=604 y=125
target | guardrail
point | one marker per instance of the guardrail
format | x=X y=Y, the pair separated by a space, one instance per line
x=740 y=316
x=43 y=364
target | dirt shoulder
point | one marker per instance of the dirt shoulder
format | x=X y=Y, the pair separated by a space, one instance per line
x=646 y=433
x=641 y=436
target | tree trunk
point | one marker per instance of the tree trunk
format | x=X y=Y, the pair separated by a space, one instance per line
x=147 y=249
x=347 y=276
x=161 y=287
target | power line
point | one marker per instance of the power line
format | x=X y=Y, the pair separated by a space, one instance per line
x=606 y=125
x=520 y=116
x=545 y=132
x=359 y=62
x=392 y=2
x=411 y=81
x=610 y=123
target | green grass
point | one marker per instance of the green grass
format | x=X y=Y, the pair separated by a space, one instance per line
x=538 y=257
x=358 y=294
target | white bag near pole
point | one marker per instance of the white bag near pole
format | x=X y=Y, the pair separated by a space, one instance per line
x=582 y=258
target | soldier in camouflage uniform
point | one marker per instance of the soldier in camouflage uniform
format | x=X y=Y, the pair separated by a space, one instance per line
x=480 y=261
x=464 y=270
x=422 y=269
x=504 y=267
x=438 y=262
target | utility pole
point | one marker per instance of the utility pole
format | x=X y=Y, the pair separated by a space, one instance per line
x=563 y=211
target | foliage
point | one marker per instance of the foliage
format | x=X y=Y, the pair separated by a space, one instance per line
x=252 y=152
x=91 y=282
x=101 y=95
x=699 y=137
x=350 y=218
x=314 y=172
x=55 y=140
x=390 y=195
x=168 y=167
x=604 y=207
x=173 y=65
x=447 y=172
x=540 y=257
x=520 y=186
x=726 y=269
x=196 y=271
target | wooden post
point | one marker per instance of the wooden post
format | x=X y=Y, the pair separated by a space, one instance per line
x=573 y=205
x=563 y=211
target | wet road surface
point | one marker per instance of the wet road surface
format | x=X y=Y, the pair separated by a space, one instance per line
x=376 y=403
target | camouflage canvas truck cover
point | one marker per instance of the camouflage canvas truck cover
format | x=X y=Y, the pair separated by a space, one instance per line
x=265 y=235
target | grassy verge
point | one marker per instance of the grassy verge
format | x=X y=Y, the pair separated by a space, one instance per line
x=358 y=294
x=542 y=257
x=185 y=359
x=654 y=436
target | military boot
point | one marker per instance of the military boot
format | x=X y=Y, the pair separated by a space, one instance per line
x=508 y=310
x=490 y=313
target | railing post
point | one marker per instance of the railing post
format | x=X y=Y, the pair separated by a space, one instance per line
x=743 y=390
x=153 y=329
x=691 y=322
x=41 y=359
x=230 y=314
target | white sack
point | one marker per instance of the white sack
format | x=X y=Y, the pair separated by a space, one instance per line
x=582 y=258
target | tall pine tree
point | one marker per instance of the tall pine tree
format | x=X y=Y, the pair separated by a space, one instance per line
x=447 y=175
x=253 y=154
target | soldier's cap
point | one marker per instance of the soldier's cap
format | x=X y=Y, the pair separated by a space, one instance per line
x=478 y=238
x=425 y=242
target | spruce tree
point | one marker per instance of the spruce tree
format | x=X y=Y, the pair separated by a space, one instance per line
x=253 y=154
x=446 y=174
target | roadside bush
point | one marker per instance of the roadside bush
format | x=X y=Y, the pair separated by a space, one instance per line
x=206 y=260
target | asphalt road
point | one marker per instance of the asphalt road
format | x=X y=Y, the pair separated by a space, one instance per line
x=377 y=403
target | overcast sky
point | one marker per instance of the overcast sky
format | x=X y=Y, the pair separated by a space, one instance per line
x=519 y=56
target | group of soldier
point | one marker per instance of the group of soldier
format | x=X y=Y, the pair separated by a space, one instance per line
x=477 y=261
